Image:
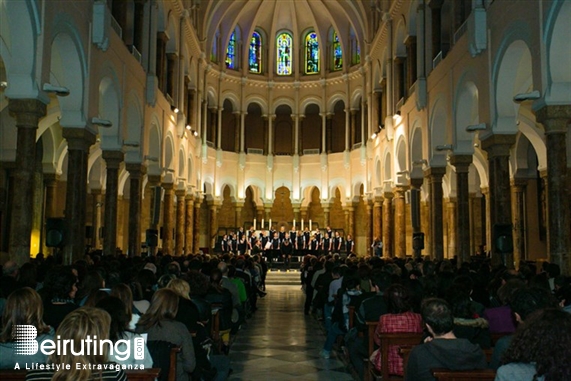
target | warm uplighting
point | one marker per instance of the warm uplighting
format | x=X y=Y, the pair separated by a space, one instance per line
x=397 y=117
x=188 y=127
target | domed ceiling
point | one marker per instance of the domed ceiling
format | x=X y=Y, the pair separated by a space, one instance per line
x=347 y=18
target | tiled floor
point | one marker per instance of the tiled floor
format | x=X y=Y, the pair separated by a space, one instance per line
x=280 y=343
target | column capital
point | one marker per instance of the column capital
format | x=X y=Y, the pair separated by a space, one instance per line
x=27 y=112
x=167 y=186
x=435 y=172
x=78 y=138
x=96 y=191
x=416 y=182
x=519 y=183
x=51 y=177
x=554 y=118
x=388 y=196
x=136 y=170
x=498 y=144
x=461 y=162
x=189 y=197
x=113 y=159
x=400 y=189
x=180 y=193
x=154 y=180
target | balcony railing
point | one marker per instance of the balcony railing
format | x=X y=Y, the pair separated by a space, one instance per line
x=116 y=27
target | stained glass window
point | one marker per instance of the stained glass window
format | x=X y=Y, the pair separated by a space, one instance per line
x=311 y=53
x=255 y=56
x=356 y=50
x=231 y=52
x=337 y=53
x=284 y=54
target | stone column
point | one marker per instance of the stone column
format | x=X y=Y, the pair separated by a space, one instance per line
x=350 y=211
x=462 y=165
x=498 y=148
x=377 y=217
x=168 y=218
x=369 y=224
x=518 y=208
x=388 y=224
x=97 y=201
x=326 y=211
x=555 y=120
x=238 y=210
x=78 y=142
x=27 y=112
x=50 y=181
x=487 y=228
x=400 y=222
x=415 y=184
x=180 y=220
x=452 y=224
x=259 y=215
x=113 y=160
x=196 y=228
x=189 y=224
x=213 y=224
x=435 y=175
x=136 y=171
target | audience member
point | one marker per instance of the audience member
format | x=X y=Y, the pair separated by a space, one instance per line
x=58 y=293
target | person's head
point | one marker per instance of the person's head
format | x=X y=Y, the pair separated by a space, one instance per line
x=23 y=307
x=92 y=282
x=11 y=269
x=165 y=279
x=223 y=267
x=181 y=287
x=119 y=318
x=461 y=304
x=437 y=316
x=77 y=325
x=527 y=300
x=164 y=306
x=60 y=284
x=123 y=292
x=398 y=299
x=545 y=340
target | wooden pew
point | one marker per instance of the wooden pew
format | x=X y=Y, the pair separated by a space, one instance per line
x=388 y=340
x=132 y=375
x=464 y=375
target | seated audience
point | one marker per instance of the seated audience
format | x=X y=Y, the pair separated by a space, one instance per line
x=160 y=325
x=77 y=325
x=399 y=319
x=58 y=294
x=23 y=307
x=123 y=292
x=540 y=349
x=467 y=324
x=119 y=330
x=442 y=349
x=500 y=318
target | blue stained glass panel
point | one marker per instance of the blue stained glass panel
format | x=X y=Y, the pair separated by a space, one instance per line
x=255 y=55
x=312 y=53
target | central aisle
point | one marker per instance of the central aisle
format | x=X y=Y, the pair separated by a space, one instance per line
x=280 y=343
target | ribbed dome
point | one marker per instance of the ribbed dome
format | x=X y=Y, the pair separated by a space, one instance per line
x=347 y=18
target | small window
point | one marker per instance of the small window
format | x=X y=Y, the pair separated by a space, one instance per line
x=255 y=55
x=231 y=52
x=284 y=54
x=337 y=53
x=311 y=53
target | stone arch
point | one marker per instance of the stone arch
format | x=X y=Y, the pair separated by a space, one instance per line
x=401 y=160
x=307 y=101
x=535 y=135
x=155 y=149
x=283 y=101
x=307 y=191
x=466 y=114
x=400 y=35
x=109 y=106
x=438 y=132
x=256 y=194
x=19 y=27
x=333 y=100
x=134 y=129
x=512 y=74
x=378 y=176
x=411 y=19
x=49 y=150
x=96 y=171
x=387 y=168
x=260 y=101
x=181 y=173
x=228 y=183
x=356 y=98
x=558 y=30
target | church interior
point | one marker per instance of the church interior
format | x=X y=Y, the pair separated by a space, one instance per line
x=439 y=128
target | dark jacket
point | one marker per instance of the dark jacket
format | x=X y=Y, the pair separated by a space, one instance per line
x=455 y=354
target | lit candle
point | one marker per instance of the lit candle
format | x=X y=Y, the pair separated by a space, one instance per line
x=301 y=224
x=262 y=223
x=270 y=223
x=309 y=224
x=294 y=224
x=254 y=224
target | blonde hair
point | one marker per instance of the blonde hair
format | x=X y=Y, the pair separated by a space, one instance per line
x=76 y=326
x=164 y=306
x=181 y=287
x=23 y=307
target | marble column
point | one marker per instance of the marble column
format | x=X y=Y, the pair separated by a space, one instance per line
x=452 y=224
x=50 y=182
x=369 y=225
x=400 y=222
x=326 y=215
x=78 y=142
x=377 y=217
x=435 y=175
x=415 y=184
x=113 y=160
x=168 y=218
x=238 y=213
x=180 y=220
x=189 y=224
x=462 y=165
x=498 y=148
x=351 y=220
x=388 y=224
x=518 y=208
x=259 y=216
x=555 y=120
x=136 y=172
x=97 y=202
x=27 y=113
x=196 y=226
x=487 y=228
x=213 y=207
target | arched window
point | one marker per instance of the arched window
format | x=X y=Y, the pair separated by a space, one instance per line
x=255 y=55
x=231 y=52
x=355 y=49
x=284 y=54
x=311 y=53
x=337 y=53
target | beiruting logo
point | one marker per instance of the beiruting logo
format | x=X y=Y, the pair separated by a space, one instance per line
x=26 y=344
